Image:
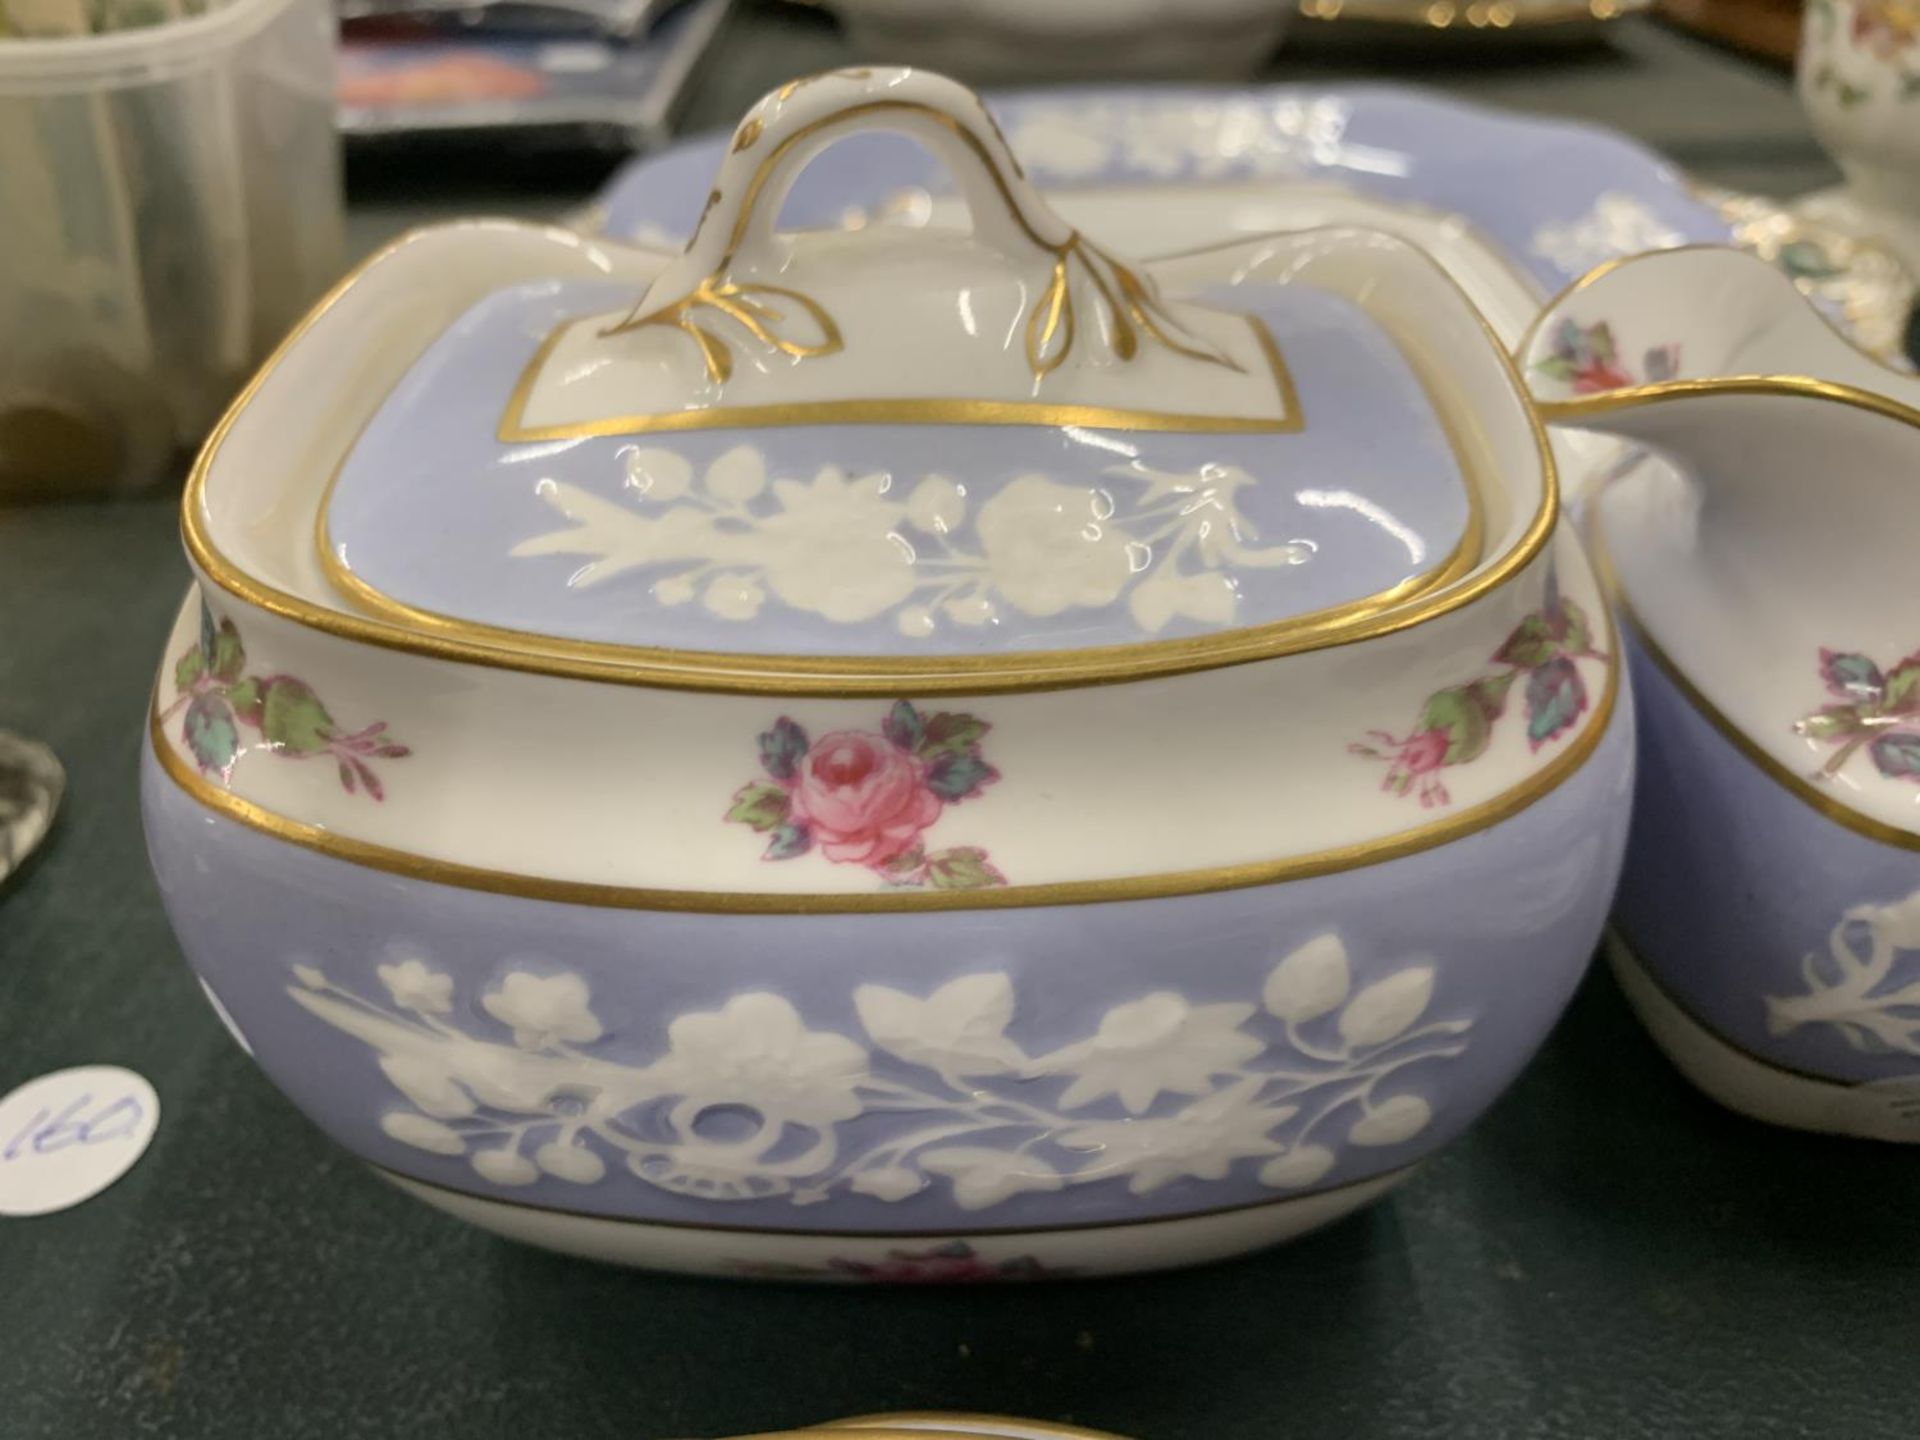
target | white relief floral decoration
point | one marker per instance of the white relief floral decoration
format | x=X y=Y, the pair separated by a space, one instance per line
x=1857 y=988
x=1619 y=224
x=1190 y=140
x=849 y=549
x=748 y=1101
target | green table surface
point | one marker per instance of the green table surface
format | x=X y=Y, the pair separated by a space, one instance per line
x=1605 y=1257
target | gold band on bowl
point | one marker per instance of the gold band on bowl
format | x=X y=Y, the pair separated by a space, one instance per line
x=1357 y=855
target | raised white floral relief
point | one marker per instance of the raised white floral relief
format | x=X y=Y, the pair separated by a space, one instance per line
x=749 y=1102
x=849 y=548
x=1618 y=225
x=1859 y=988
x=1186 y=140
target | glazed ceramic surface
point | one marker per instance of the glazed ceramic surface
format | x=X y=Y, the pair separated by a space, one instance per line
x=1002 y=39
x=1772 y=891
x=1514 y=206
x=835 y=754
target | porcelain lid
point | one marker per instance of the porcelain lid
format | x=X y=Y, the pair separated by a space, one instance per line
x=953 y=443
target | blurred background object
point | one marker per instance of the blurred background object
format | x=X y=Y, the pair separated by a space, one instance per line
x=1859 y=79
x=169 y=176
x=31 y=784
x=987 y=41
x=606 y=74
x=1391 y=21
x=1769 y=29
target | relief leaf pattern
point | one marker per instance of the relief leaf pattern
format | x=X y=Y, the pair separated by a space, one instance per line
x=1157 y=1090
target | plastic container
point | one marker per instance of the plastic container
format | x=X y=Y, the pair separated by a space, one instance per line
x=172 y=204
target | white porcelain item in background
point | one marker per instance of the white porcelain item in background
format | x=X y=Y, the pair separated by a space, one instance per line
x=1008 y=40
x=1859 y=78
x=1770 y=908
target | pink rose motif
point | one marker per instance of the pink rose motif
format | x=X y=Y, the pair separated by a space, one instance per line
x=1413 y=760
x=865 y=800
x=1457 y=723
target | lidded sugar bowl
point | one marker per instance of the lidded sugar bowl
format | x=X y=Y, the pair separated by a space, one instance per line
x=936 y=755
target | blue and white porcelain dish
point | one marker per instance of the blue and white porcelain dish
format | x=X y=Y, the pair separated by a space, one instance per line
x=898 y=754
x=1769 y=917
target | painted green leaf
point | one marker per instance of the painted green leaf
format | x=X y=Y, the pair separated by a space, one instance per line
x=1898 y=754
x=1902 y=693
x=963 y=868
x=789 y=841
x=1575 y=630
x=228 y=657
x=782 y=748
x=188 y=669
x=760 y=805
x=293 y=719
x=950 y=731
x=904 y=727
x=1851 y=677
x=904 y=869
x=1808 y=260
x=1458 y=714
x=1490 y=693
x=1556 y=367
x=247 y=700
x=207 y=631
x=211 y=733
x=1556 y=697
x=957 y=777
x=1531 y=645
x=1835 y=722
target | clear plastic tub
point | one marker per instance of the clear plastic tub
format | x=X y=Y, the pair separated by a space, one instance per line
x=169 y=205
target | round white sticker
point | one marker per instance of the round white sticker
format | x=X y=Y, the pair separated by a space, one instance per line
x=67 y=1136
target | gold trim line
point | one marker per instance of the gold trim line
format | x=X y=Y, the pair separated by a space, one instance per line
x=1071 y=892
x=1600 y=272
x=840 y=677
x=1467 y=552
x=1794 y=387
x=906 y=411
x=1134 y=305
